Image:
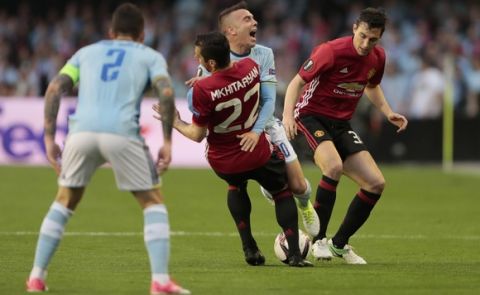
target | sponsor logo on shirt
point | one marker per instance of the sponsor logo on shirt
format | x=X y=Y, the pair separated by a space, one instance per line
x=308 y=65
x=271 y=71
x=353 y=89
x=351 y=86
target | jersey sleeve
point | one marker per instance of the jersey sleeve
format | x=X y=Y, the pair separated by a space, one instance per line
x=202 y=71
x=158 y=67
x=72 y=68
x=377 y=77
x=320 y=60
x=201 y=106
x=267 y=67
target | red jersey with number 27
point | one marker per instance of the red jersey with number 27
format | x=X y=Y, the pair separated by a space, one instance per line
x=336 y=77
x=227 y=103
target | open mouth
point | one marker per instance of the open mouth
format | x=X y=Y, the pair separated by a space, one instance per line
x=253 y=34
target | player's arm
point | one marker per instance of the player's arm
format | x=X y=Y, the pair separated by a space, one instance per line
x=291 y=96
x=59 y=86
x=267 y=106
x=190 y=130
x=376 y=96
x=164 y=90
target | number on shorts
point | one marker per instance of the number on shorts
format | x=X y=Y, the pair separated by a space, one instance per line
x=236 y=104
x=284 y=149
x=356 y=138
x=111 y=70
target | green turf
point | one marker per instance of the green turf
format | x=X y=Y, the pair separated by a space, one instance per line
x=422 y=238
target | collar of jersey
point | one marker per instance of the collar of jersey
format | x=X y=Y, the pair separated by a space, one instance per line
x=240 y=55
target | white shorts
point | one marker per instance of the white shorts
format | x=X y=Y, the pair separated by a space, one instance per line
x=274 y=128
x=130 y=159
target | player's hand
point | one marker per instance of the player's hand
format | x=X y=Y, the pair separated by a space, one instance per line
x=290 y=127
x=54 y=154
x=192 y=81
x=398 y=120
x=158 y=110
x=158 y=115
x=164 y=158
x=248 y=141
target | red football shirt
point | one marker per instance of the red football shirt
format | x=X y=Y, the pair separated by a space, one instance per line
x=336 y=77
x=227 y=103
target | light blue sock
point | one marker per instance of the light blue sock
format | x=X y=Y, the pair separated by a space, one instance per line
x=157 y=240
x=51 y=232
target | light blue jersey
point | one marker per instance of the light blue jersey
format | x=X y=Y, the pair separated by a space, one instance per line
x=263 y=56
x=112 y=76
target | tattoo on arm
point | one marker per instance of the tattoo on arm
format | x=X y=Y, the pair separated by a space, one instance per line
x=164 y=90
x=59 y=86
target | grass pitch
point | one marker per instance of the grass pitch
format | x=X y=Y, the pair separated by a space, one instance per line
x=423 y=237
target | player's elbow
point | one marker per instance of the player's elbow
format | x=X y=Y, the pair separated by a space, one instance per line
x=197 y=138
x=167 y=92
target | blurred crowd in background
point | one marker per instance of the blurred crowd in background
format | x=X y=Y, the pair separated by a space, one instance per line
x=430 y=44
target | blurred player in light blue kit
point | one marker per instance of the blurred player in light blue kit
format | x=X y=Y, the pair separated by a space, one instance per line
x=239 y=26
x=112 y=77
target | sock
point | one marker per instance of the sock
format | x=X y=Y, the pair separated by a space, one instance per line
x=240 y=208
x=358 y=212
x=324 y=202
x=304 y=198
x=51 y=233
x=156 y=235
x=287 y=218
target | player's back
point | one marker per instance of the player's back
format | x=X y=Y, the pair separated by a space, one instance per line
x=113 y=75
x=228 y=103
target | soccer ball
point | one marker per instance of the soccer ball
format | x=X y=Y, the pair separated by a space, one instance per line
x=281 y=245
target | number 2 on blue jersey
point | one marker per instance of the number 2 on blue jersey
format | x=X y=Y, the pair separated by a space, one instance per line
x=110 y=70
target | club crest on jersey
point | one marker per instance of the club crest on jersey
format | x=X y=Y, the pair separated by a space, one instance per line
x=319 y=133
x=308 y=65
x=371 y=73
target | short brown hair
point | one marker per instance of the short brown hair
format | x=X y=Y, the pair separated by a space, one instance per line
x=373 y=17
x=128 y=19
x=228 y=10
x=214 y=45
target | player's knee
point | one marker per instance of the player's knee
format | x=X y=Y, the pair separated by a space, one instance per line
x=377 y=186
x=69 y=197
x=334 y=170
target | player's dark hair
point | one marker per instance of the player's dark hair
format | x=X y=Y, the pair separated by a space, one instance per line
x=373 y=17
x=228 y=10
x=214 y=45
x=128 y=19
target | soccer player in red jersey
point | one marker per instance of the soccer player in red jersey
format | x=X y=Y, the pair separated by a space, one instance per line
x=333 y=80
x=226 y=104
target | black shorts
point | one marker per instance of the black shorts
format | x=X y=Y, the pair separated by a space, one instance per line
x=317 y=129
x=272 y=176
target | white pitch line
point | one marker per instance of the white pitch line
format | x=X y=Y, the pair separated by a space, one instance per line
x=234 y=234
